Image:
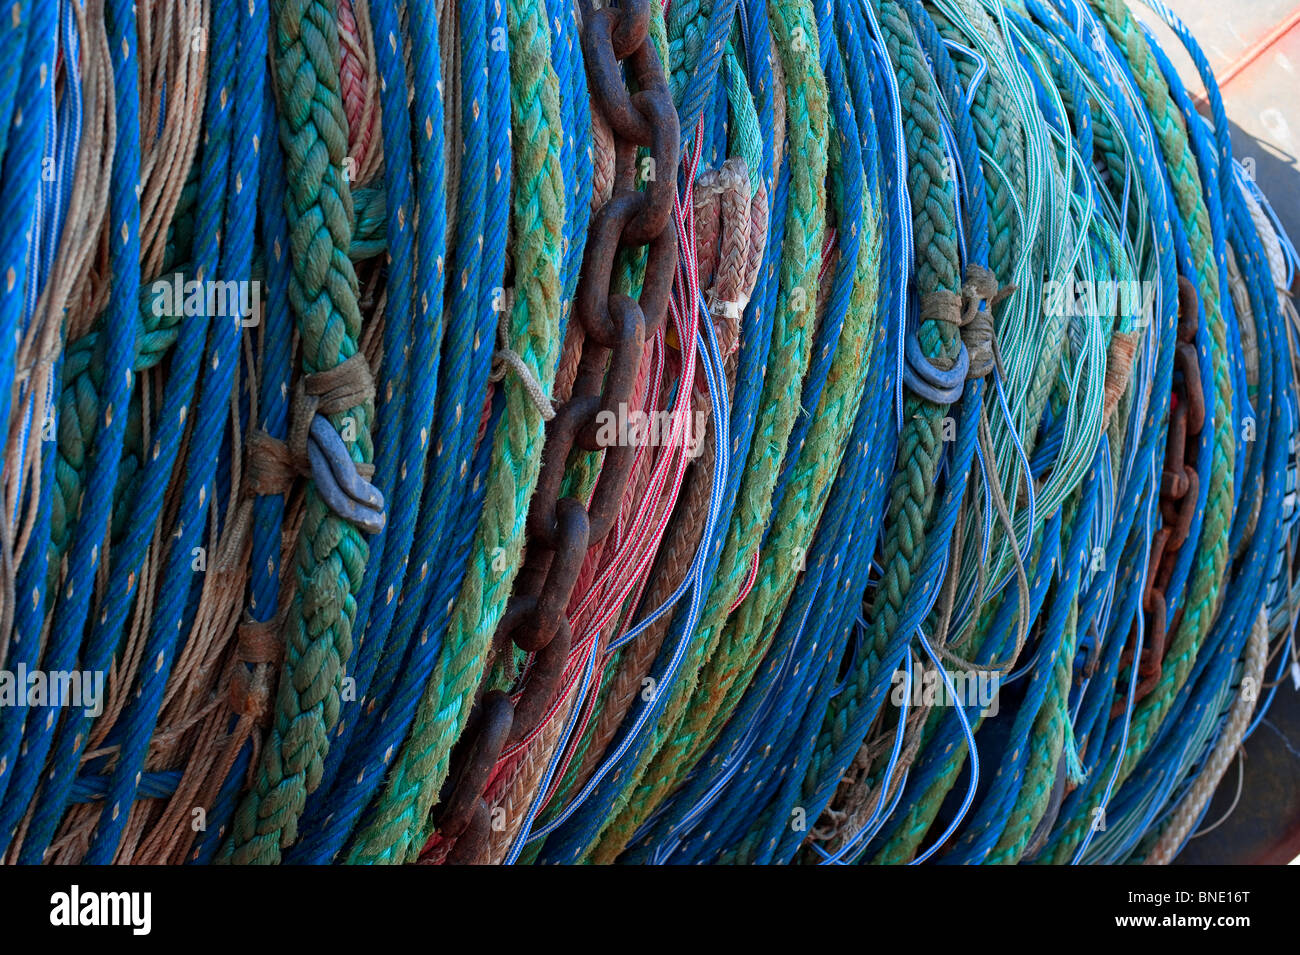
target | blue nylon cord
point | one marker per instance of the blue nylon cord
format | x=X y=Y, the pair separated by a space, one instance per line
x=860 y=556
x=62 y=137
x=921 y=597
x=744 y=722
x=421 y=336
x=13 y=41
x=426 y=602
x=274 y=373
x=170 y=615
x=15 y=204
x=21 y=176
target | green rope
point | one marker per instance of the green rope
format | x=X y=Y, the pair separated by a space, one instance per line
x=332 y=553
x=750 y=629
x=921 y=445
x=399 y=822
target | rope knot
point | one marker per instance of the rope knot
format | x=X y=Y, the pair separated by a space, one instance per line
x=980 y=296
x=250 y=690
x=258 y=641
x=314 y=448
x=942 y=306
x=258 y=645
x=937 y=379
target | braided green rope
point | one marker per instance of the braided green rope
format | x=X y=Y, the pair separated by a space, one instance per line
x=331 y=554
x=1034 y=361
x=795 y=34
x=399 y=821
x=934 y=227
x=686 y=24
x=999 y=130
x=1052 y=723
x=933 y=202
x=1026 y=185
x=920 y=817
x=912 y=492
x=744 y=139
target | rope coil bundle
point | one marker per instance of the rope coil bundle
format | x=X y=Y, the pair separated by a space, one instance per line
x=716 y=431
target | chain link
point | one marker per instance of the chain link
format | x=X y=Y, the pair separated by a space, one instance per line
x=617 y=51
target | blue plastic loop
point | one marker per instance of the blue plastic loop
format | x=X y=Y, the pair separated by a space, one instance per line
x=931 y=383
x=347 y=493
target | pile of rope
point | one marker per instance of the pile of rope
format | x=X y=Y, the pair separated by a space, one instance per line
x=706 y=431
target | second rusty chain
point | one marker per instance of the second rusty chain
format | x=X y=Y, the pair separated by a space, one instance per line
x=1179 y=495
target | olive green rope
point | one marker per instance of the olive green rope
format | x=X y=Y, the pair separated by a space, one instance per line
x=751 y=628
x=1047 y=382
x=999 y=132
x=398 y=824
x=1027 y=187
x=749 y=631
x=920 y=442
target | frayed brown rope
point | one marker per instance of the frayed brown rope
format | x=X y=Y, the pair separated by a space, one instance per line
x=976 y=323
x=270 y=466
x=348 y=384
x=250 y=693
x=259 y=642
x=1119 y=371
x=941 y=306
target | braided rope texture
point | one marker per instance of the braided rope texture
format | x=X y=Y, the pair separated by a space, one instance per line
x=751 y=627
x=916 y=456
x=331 y=555
x=921 y=443
x=795 y=35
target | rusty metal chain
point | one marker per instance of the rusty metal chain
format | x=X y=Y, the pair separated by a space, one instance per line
x=617 y=52
x=1179 y=491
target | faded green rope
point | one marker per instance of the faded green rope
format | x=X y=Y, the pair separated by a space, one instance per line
x=398 y=824
x=331 y=554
